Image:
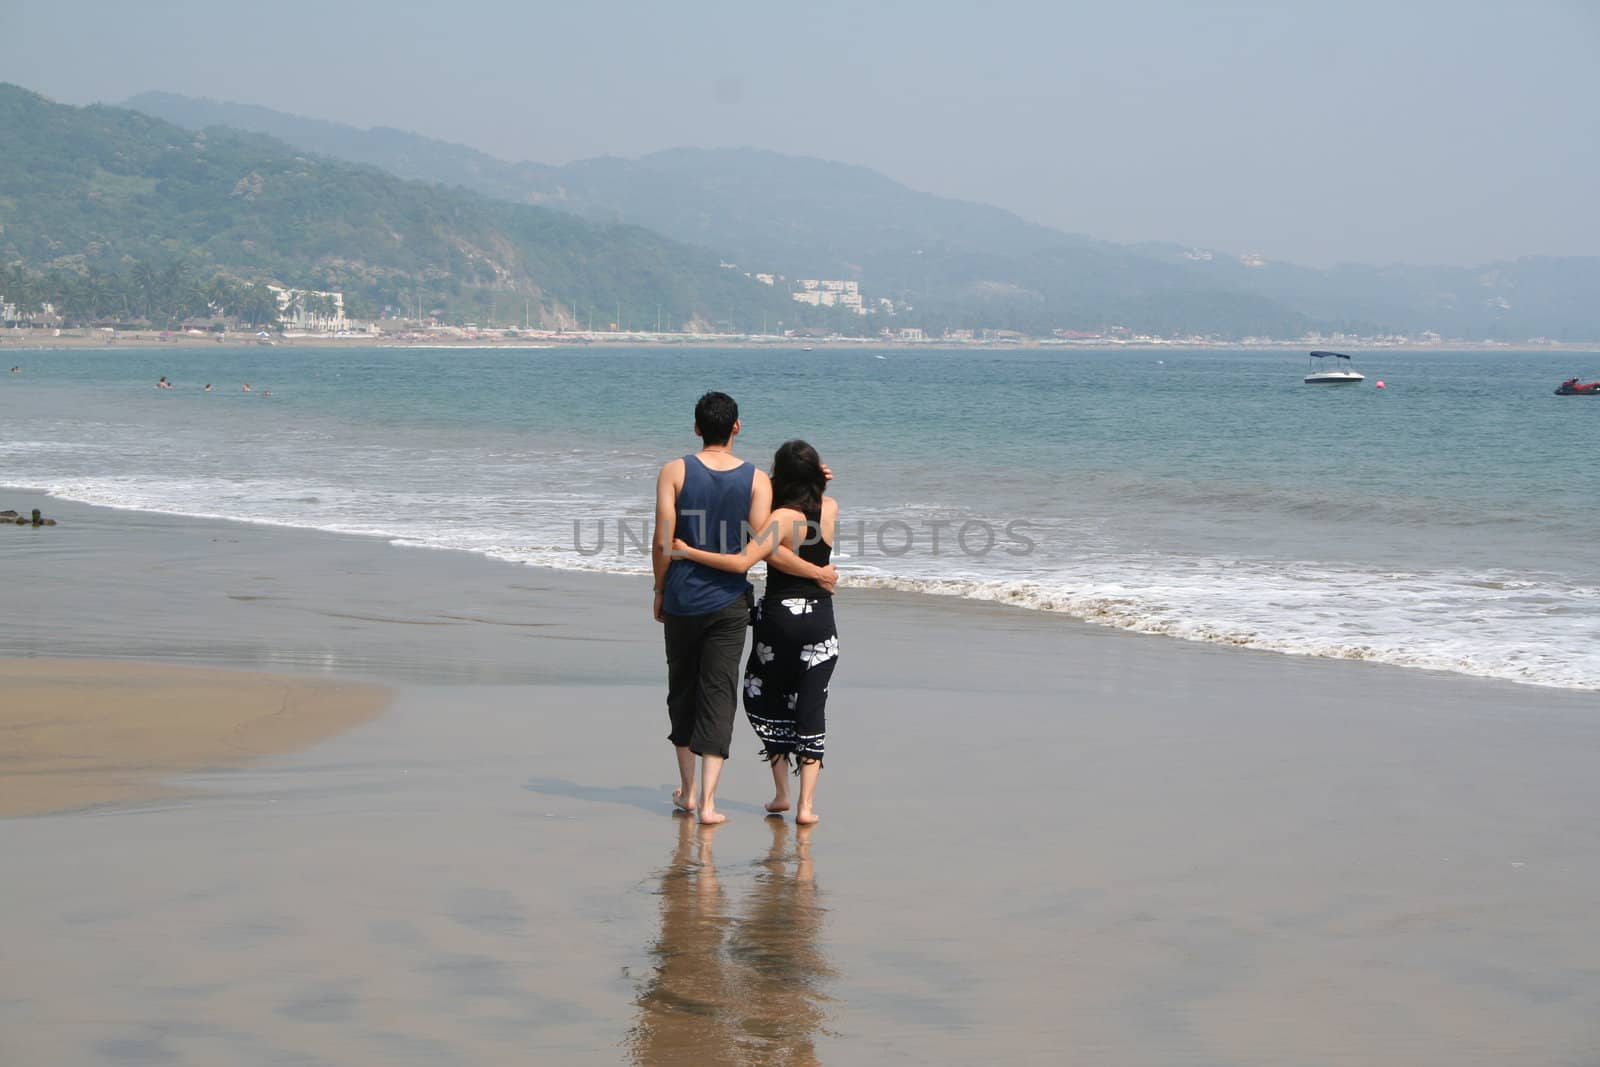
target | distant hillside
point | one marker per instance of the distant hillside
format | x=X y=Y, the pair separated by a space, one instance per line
x=805 y=217
x=958 y=263
x=1537 y=296
x=100 y=188
x=403 y=154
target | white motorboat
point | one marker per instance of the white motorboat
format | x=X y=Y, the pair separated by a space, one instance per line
x=1336 y=373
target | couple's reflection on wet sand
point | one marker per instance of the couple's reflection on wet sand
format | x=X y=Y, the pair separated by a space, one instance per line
x=735 y=981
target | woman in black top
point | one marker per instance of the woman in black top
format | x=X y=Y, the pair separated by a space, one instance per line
x=796 y=643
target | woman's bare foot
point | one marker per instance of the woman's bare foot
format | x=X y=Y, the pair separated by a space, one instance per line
x=680 y=804
x=709 y=817
x=780 y=787
x=810 y=769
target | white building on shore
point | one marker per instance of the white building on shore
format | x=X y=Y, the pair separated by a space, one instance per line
x=311 y=309
x=830 y=292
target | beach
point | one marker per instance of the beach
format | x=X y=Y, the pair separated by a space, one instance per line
x=447 y=338
x=1042 y=840
x=82 y=734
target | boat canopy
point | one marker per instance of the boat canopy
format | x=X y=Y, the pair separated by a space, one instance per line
x=1334 y=355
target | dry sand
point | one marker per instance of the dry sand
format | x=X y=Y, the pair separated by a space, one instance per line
x=75 y=734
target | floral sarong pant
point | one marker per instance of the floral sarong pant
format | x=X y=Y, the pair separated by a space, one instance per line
x=793 y=653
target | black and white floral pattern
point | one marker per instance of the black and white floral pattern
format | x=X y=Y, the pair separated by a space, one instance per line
x=786 y=677
x=820 y=652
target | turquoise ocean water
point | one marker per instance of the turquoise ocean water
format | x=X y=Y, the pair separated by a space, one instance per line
x=1447 y=521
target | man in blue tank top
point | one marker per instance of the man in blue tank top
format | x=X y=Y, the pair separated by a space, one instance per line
x=710 y=499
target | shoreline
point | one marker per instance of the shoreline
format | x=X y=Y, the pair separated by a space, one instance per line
x=958 y=594
x=574 y=587
x=540 y=341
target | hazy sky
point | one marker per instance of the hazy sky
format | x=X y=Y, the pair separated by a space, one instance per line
x=1418 y=132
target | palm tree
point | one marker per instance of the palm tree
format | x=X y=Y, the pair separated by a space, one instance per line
x=145 y=282
x=67 y=296
x=172 y=293
x=121 y=296
x=258 y=305
x=324 y=308
x=95 y=289
x=220 y=296
x=21 y=292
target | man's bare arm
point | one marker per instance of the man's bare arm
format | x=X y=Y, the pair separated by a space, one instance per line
x=760 y=519
x=784 y=526
x=760 y=501
x=758 y=548
x=668 y=482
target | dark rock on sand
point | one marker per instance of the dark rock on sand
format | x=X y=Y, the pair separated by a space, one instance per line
x=11 y=517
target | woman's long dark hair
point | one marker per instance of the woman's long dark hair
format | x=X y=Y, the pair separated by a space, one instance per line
x=797 y=479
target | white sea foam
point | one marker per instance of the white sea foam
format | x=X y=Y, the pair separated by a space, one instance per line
x=1456 y=582
x=1517 y=627
x=1431 y=625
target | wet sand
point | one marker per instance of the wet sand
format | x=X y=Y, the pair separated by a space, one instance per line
x=1042 y=842
x=75 y=734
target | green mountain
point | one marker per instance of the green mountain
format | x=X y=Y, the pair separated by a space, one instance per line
x=958 y=263
x=955 y=263
x=404 y=154
x=799 y=216
x=107 y=192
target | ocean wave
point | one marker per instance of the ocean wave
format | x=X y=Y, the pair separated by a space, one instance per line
x=1202 y=550
x=1449 y=632
x=1516 y=627
x=22 y=448
x=1410 y=509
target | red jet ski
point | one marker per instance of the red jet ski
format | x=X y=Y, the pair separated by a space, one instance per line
x=1573 y=387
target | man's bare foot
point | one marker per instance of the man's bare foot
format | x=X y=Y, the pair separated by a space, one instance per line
x=712 y=818
x=806 y=817
x=679 y=804
x=777 y=805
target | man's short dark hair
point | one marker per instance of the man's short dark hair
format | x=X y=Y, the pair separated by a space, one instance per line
x=714 y=416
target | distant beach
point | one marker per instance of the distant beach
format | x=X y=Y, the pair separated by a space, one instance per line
x=21 y=340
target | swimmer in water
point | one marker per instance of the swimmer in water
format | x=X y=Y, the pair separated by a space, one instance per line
x=163 y=383
x=208 y=387
x=247 y=387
